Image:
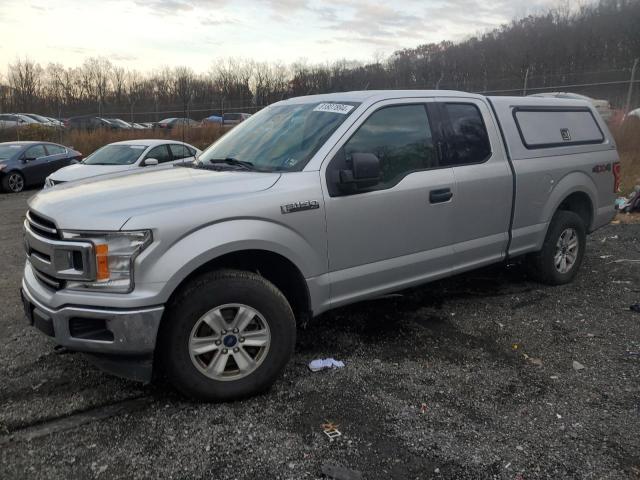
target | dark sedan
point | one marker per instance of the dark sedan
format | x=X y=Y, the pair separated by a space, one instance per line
x=28 y=163
x=170 y=123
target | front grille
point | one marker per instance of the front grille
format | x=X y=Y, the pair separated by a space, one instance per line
x=54 y=260
x=42 y=226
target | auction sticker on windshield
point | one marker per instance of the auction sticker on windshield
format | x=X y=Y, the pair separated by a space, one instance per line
x=334 y=108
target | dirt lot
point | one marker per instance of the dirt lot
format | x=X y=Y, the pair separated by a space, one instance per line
x=470 y=377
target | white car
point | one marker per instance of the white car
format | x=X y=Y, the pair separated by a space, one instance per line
x=123 y=156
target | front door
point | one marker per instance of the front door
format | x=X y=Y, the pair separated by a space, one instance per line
x=397 y=232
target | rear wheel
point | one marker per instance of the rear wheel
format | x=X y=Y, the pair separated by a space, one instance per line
x=13 y=182
x=228 y=335
x=563 y=250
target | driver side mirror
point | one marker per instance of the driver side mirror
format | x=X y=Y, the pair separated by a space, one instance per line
x=150 y=162
x=28 y=159
x=364 y=173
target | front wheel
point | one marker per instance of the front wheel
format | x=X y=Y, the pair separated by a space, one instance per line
x=13 y=182
x=563 y=250
x=228 y=335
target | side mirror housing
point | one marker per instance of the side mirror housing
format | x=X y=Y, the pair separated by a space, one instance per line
x=150 y=162
x=364 y=173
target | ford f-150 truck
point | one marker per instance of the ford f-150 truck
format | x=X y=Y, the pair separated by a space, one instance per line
x=202 y=272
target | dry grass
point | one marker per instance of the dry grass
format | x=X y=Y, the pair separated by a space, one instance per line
x=87 y=142
x=628 y=140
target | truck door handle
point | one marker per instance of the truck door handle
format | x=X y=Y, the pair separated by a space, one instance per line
x=441 y=195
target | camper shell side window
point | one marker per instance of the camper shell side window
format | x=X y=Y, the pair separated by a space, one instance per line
x=548 y=127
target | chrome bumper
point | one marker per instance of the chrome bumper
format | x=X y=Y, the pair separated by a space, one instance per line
x=126 y=332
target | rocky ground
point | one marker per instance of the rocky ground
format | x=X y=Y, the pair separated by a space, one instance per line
x=473 y=377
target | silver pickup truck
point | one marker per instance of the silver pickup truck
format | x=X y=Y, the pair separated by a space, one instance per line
x=201 y=272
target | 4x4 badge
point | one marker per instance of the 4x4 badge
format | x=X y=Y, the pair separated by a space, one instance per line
x=299 y=206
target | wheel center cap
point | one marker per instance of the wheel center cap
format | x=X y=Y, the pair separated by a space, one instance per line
x=230 y=341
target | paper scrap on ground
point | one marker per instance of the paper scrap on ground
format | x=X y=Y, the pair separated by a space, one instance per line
x=321 y=364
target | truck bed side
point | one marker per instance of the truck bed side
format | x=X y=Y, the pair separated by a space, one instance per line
x=562 y=155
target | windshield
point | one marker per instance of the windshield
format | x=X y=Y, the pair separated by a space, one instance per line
x=115 y=155
x=280 y=137
x=8 y=151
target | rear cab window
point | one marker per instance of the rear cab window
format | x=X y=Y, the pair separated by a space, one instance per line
x=466 y=139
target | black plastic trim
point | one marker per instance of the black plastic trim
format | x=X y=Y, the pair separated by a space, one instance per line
x=513 y=177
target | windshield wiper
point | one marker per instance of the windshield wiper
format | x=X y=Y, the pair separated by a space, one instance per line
x=233 y=161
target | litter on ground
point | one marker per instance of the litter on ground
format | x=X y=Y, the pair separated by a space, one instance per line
x=330 y=429
x=321 y=364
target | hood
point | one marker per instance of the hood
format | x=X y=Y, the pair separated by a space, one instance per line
x=107 y=203
x=81 y=170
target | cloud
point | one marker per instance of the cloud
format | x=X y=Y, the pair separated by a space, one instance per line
x=169 y=7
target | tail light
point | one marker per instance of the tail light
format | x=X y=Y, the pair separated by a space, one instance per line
x=616 y=177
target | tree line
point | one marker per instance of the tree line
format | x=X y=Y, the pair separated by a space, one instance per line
x=561 y=47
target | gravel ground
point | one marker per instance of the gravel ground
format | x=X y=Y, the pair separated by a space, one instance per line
x=471 y=377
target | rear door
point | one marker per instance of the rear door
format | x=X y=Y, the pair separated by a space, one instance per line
x=484 y=182
x=35 y=167
x=181 y=153
x=396 y=233
x=56 y=157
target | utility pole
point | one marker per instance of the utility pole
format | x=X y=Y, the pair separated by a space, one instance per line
x=631 y=81
x=526 y=79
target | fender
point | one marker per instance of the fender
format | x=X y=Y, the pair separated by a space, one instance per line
x=212 y=241
x=572 y=182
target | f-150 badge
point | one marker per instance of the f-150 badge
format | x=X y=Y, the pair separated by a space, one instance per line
x=299 y=206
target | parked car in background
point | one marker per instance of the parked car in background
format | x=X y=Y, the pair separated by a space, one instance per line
x=88 y=123
x=29 y=163
x=10 y=121
x=119 y=124
x=55 y=121
x=633 y=115
x=39 y=118
x=14 y=120
x=234 y=118
x=212 y=119
x=603 y=107
x=170 y=123
x=127 y=155
x=27 y=119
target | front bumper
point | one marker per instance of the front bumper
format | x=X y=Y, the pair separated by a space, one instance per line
x=115 y=337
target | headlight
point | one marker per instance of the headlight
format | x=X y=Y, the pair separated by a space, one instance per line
x=48 y=183
x=3 y=166
x=115 y=253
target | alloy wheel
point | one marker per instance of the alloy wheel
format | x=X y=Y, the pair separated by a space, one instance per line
x=229 y=342
x=567 y=248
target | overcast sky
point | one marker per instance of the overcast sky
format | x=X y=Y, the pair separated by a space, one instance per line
x=145 y=34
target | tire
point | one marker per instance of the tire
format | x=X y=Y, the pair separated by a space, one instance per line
x=186 y=333
x=565 y=228
x=13 y=182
